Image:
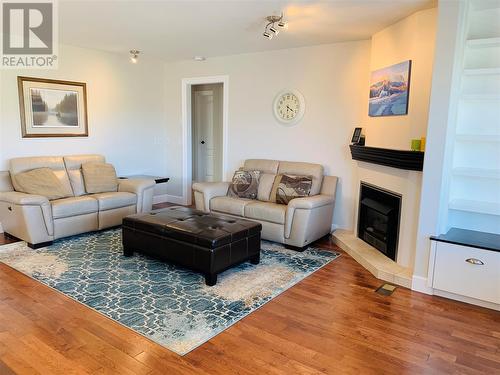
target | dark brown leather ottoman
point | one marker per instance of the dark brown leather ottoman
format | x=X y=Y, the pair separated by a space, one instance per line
x=203 y=242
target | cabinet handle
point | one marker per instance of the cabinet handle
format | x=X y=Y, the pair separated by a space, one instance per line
x=475 y=261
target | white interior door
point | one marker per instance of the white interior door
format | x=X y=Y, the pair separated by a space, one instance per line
x=204 y=146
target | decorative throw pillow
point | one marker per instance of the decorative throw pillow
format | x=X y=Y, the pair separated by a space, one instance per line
x=287 y=187
x=99 y=177
x=245 y=184
x=41 y=181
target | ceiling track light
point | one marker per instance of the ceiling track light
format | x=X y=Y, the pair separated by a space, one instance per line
x=268 y=34
x=134 y=56
x=270 y=30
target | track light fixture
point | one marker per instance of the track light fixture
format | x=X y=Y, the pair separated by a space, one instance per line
x=270 y=31
x=134 y=56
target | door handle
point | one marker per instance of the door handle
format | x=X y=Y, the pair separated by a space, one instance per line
x=202 y=142
x=474 y=261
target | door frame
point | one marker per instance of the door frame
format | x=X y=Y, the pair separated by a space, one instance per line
x=187 y=126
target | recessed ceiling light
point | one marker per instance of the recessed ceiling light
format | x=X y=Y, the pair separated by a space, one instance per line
x=199 y=58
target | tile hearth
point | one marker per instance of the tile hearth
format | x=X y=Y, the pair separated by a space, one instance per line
x=373 y=260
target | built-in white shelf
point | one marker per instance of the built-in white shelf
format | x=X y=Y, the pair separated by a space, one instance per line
x=472 y=199
x=476 y=172
x=485 y=5
x=480 y=207
x=478 y=137
x=483 y=43
x=480 y=97
x=481 y=71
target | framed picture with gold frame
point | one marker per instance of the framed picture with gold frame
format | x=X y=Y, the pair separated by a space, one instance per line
x=52 y=108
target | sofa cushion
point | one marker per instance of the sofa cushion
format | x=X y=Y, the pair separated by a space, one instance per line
x=99 y=177
x=41 y=181
x=111 y=200
x=73 y=165
x=266 y=211
x=245 y=184
x=266 y=182
x=304 y=169
x=263 y=165
x=73 y=206
x=56 y=163
x=287 y=187
x=229 y=205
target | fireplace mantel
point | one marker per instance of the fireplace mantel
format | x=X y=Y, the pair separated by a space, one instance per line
x=401 y=159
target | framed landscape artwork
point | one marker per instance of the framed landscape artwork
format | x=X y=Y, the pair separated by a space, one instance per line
x=52 y=108
x=389 y=90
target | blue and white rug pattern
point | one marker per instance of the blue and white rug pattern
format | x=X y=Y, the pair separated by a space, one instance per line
x=168 y=304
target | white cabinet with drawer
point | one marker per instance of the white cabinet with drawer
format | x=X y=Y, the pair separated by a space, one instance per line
x=467 y=271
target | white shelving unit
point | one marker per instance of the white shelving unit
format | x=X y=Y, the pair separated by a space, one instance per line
x=482 y=72
x=477 y=138
x=474 y=187
x=483 y=43
x=475 y=206
x=476 y=172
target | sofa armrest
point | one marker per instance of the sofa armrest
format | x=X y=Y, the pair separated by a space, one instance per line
x=305 y=217
x=26 y=216
x=15 y=197
x=143 y=188
x=308 y=203
x=205 y=191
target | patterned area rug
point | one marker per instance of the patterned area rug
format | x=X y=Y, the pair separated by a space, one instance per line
x=170 y=305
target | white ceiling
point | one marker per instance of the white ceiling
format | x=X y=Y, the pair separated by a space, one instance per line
x=176 y=30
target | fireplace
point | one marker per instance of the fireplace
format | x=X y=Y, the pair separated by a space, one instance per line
x=378 y=218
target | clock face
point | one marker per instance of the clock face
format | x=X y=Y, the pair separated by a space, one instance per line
x=289 y=107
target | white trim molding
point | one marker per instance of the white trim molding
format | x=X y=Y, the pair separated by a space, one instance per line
x=419 y=284
x=187 y=154
x=465 y=299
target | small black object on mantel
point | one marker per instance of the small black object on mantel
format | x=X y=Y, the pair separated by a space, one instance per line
x=357 y=137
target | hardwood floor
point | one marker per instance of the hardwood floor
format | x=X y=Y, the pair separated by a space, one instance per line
x=331 y=322
x=5 y=239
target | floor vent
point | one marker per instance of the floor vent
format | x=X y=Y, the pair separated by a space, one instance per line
x=386 y=289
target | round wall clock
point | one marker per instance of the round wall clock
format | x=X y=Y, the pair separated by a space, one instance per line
x=289 y=107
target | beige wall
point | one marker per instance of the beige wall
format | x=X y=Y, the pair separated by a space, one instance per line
x=333 y=80
x=126 y=111
x=412 y=38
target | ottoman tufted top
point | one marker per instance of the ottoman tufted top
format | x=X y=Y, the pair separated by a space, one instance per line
x=193 y=226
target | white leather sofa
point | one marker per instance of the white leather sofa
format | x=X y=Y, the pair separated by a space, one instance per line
x=38 y=221
x=297 y=224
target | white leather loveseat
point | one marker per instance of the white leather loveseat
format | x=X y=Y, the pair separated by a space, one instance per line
x=297 y=224
x=38 y=221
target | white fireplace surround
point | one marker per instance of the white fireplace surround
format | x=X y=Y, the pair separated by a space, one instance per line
x=407 y=184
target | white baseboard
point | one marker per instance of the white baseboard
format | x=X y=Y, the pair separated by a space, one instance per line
x=1 y=228
x=472 y=301
x=168 y=198
x=419 y=284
